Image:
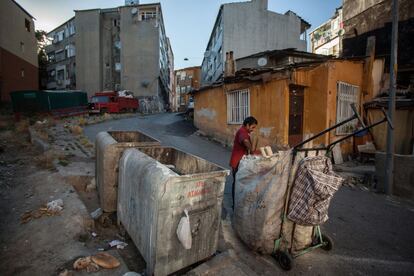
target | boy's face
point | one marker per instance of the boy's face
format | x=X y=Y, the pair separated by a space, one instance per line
x=251 y=128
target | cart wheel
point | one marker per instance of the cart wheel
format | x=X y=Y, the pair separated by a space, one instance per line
x=328 y=242
x=285 y=261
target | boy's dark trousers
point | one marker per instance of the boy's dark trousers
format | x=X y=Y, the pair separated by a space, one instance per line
x=234 y=171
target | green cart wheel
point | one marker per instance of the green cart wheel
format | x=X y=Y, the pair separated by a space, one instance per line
x=327 y=242
x=285 y=261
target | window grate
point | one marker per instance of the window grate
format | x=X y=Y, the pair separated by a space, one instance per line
x=238 y=106
x=347 y=94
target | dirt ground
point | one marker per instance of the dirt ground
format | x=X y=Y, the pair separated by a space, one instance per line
x=30 y=178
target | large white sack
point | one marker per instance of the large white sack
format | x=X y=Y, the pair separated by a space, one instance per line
x=261 y=185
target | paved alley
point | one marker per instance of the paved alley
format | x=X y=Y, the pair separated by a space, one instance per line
x=372 y=232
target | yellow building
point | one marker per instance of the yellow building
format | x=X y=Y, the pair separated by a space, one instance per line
x=290 y=104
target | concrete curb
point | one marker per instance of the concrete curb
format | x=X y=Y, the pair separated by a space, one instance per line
x=37 y=141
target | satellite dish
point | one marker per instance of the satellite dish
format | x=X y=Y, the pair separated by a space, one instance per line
x=262 y=61
x=134 y=11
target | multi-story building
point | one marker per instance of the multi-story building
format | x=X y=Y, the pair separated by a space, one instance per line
x=61 y=52
x=185 y=81
x=18 y=50
x=327 y=38
x=171 y=72
x=247 y=28
x=123 y=48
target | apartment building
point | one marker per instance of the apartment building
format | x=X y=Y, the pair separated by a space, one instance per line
x=18 y=50
x=185 y=81
x=122 y=48
x=171 y=71
x=61 y=54
x=327 y=38
x=247 y=28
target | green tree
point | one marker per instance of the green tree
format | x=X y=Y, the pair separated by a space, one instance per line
x=41 y=37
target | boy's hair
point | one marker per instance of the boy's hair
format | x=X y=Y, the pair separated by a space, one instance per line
x=250 y=121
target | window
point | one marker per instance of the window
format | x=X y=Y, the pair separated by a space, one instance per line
x=22 y=46
x=238 y=106
x=347 y=94
x=147 y=15
x=71 y=28
x=335 y=24
x=22 y=73
x=70 y=50
x=51 y=76
x=61 y=75
x=51 y=57
x=60 y=55
x=27 y=24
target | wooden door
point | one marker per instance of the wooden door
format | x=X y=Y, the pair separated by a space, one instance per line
x=296 y=94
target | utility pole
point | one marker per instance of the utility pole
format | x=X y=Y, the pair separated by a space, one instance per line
x=389 y=164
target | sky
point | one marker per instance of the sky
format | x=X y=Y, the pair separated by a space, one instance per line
x=188 y=23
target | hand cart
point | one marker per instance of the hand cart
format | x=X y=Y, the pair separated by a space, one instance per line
x=282 y=247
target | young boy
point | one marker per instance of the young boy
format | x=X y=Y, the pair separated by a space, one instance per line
x=242 y=145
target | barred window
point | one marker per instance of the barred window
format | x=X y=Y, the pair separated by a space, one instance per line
x=238 y=106
x=347 y=94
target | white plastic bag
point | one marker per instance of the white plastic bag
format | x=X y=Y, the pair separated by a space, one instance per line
x=55 y=206
x=184 y=231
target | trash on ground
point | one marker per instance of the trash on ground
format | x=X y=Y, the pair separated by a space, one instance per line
x=131 y=273
x=91 y=186
x=50 y=209
x=119 y=244
x=97 y=213
x=105 y=260
x=55 y=206
x=94 y=234
x=66 y=273
x=95 y=262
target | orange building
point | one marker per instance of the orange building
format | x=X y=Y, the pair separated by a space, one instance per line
x=185 y=80
x=290 y=104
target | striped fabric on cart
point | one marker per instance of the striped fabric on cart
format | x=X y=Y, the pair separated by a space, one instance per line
x=313 y=188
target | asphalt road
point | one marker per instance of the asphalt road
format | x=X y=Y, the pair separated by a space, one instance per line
x=373 y=233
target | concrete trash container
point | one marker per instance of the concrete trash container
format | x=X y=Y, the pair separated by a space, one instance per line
x=156 y=185
x=109 y=147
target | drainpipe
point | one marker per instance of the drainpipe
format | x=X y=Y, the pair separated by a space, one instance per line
x=389 y=164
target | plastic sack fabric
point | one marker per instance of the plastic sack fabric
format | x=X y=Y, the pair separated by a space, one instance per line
x=184 y=231
x=314 y=186
x=261 y=185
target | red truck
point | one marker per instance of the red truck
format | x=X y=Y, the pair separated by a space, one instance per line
x=113 y=102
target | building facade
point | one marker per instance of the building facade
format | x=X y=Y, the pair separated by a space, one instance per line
x=18 y=50
x=123 y=48
x=171 y=72
x=283 y=101
x=247 y=28
x=327 y=38
x=185 y=81
x=367 y=25
x=61 y=53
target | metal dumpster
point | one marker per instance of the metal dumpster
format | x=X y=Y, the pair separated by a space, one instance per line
x=155 y=186
x=109 y=147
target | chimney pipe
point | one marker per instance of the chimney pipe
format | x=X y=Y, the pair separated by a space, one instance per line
x=230 y=65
